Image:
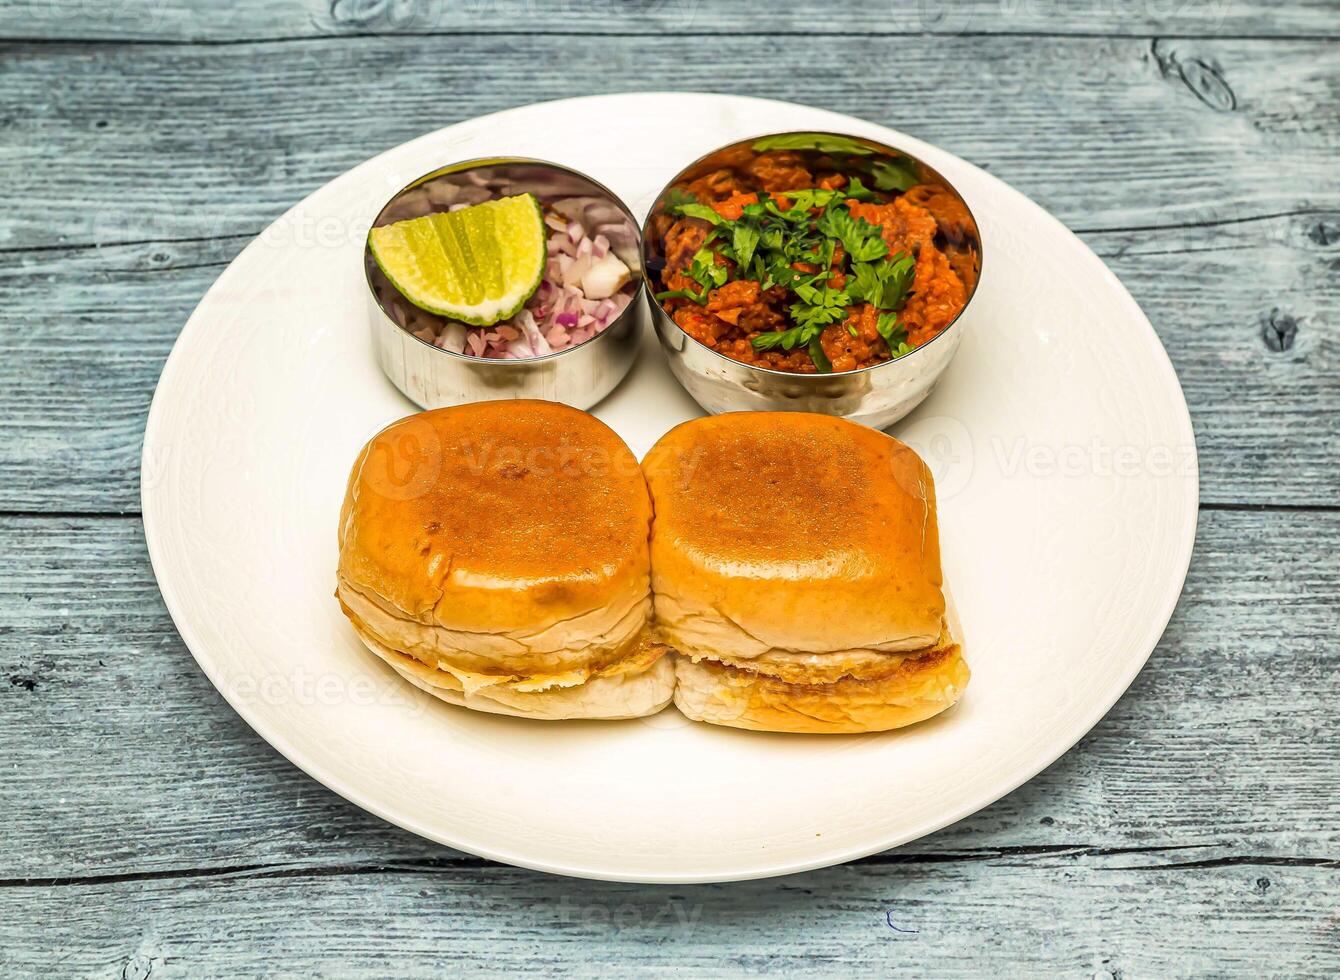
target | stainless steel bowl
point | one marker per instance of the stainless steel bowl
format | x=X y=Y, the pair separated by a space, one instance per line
x=877 y=396
x=433 y=377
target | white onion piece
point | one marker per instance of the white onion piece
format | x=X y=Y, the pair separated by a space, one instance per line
x=532 y=331
x=452 y=337
x=605 y=277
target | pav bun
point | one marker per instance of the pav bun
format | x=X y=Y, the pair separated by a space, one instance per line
x=796 y=571
x=920 y=687
x=496 y=554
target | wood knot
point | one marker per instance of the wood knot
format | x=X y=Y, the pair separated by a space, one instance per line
x=1325 y=232
x=1204 y=78
x=26 y=681
x=1279 y=330
x=357 y=12
x=1208 y=85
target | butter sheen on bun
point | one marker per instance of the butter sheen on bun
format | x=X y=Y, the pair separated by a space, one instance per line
x=496 y=555
x=796 y=572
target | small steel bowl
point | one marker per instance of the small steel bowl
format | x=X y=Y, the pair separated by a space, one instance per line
x=876 y=396
x=432 y=377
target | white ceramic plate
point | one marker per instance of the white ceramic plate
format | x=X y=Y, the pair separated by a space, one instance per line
x=1067 y=481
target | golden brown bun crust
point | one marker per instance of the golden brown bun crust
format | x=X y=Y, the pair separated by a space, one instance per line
x=495 y=516
x=721 y=695
x=796 y=532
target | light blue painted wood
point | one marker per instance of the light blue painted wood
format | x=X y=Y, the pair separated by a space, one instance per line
x=148 y=832
x=193 y=20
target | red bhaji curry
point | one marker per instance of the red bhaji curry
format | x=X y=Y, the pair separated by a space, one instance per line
x=808 y=261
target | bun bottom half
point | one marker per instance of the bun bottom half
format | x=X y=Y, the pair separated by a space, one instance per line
x=609 y=697
x=917 y=686
x=736 y=697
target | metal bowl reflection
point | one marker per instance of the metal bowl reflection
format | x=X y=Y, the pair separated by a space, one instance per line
x=432 y=377
x=878 y=395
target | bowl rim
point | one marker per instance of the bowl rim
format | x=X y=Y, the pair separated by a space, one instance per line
x=658 y=311
x=474 y=163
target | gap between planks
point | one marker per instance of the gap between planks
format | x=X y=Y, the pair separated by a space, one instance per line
x=466 y=862
x=688 y=35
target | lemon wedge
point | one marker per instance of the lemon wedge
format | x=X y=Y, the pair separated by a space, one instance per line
x=477 y=265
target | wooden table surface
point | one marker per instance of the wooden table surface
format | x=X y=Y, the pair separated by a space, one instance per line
x=147 y=831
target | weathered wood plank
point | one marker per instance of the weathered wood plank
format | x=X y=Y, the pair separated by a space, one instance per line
x=262 y=19
x=75 y=388
x=121 y=759
x=159 y=142
x=1248 y=313
x=1194 y=831
x=1048 y=917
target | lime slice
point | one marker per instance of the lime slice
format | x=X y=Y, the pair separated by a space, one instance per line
x=478 y=265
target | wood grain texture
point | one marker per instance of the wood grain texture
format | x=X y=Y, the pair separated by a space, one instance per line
x=158 y=142
x=121 y=759
x=190 y=20
x=149 y=832
x=1054 y=916
x=75 y=389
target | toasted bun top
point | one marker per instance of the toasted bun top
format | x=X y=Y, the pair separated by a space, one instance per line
x=803 y=532
x=495 y=517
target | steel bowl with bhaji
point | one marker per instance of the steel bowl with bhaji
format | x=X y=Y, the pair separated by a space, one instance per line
x=812 y=253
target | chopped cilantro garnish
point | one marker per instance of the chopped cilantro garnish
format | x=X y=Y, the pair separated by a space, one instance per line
x=705 y=270
x=883 y=284
x=856 y=189
x=699 y=298
x=823 y=142
x=698 y=211
x=788 y=240
x=895 y=175
x=859 y=238
x=820 y=359
x=677 y=196
x=892 y=330
x=810 y=197
x=813 y=315
x=785 y=339
x=745 y=239
x=794 y=214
